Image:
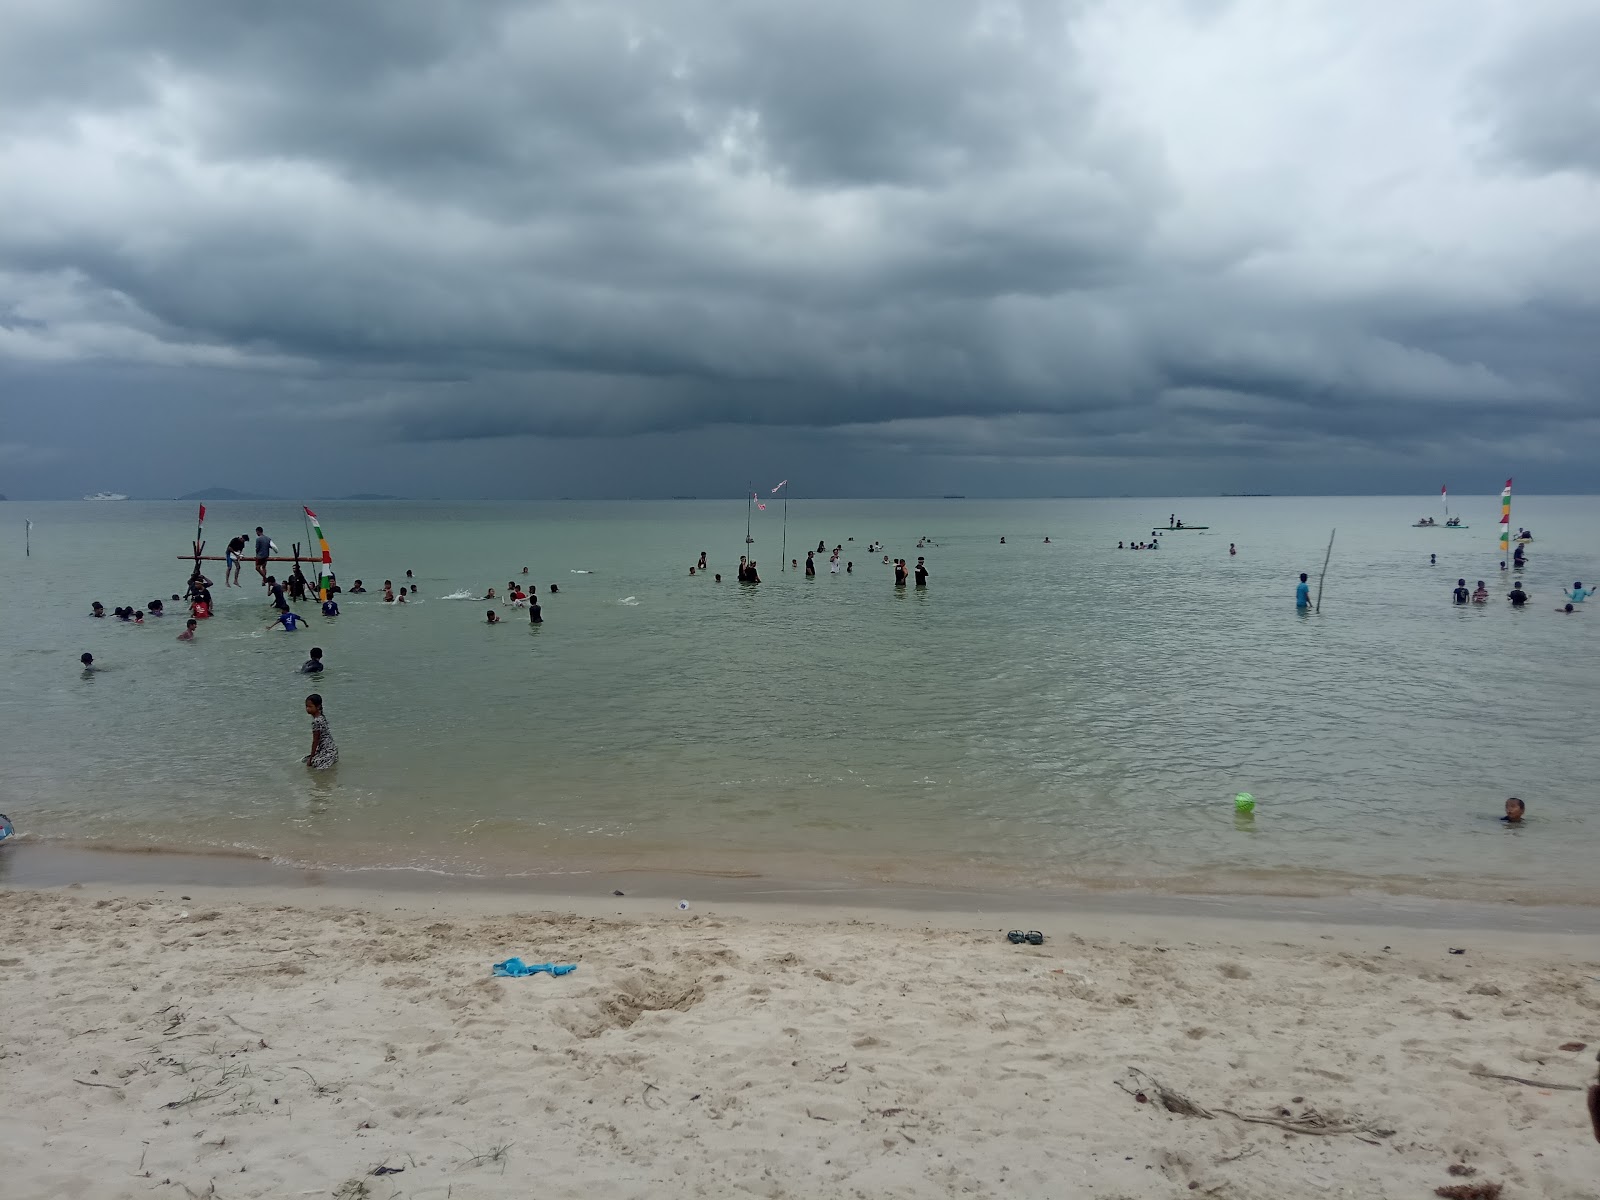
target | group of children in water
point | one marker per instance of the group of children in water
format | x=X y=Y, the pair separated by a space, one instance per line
x=1518 y=597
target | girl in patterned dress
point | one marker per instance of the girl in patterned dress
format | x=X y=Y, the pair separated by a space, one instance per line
x=324 y=753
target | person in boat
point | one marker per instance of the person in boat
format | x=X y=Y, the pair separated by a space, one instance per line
x=1178 y=525
x=1515 y=809
x=1577 y=595
x=1461 y=595
x=1518 y=597
x=1481 y=596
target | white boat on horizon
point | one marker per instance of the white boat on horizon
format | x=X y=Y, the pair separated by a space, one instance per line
x=106 y=496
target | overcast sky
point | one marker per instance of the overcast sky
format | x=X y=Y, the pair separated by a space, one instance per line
x=882 y=247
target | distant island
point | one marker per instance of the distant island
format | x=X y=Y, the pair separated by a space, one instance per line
x=1236 y=495
x=222 y=493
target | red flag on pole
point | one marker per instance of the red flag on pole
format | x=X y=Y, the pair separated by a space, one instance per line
x=202 y=514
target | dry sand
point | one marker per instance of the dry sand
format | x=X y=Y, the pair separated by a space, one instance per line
x=255 y=1043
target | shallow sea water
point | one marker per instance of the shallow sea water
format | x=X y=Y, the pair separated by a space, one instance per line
x=1040 y=715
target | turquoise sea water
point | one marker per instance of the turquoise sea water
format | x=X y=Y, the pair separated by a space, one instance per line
x=1041 y=714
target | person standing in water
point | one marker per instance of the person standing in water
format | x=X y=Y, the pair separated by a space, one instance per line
x=233 y=563
x=811 y=564
x=1302 y=593
x=1232 y=550
x=922 y=572
x=324 y=752
x=1461 y=595
x=188 y=631
x=1579 y=593
x=263 y=553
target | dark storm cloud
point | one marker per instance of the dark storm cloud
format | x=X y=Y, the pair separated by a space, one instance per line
x=993 y=230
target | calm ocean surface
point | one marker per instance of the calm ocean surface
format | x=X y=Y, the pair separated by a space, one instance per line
x=1040 y=715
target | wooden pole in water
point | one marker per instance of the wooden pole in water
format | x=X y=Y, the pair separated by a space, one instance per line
x=27 y=540
x=783 y=554
x=1324 y=574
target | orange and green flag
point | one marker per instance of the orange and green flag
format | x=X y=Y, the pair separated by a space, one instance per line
x=1505 y=520
x=325 y=572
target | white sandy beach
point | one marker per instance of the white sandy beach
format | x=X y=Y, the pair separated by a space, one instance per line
x=244 y=1043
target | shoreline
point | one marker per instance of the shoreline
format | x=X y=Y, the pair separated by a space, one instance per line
x=28 y=867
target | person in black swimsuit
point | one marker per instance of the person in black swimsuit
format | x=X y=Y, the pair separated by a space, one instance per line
x=811 y=563
x=899 y=572
x=1461 y=595
x=922 y=573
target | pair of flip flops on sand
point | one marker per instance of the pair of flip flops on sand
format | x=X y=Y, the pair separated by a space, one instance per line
x=1033 y=937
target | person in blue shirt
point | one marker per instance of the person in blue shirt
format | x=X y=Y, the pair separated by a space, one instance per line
x=290 y=621
x=330 y=607
x=1302 y=593
x=1579 y=593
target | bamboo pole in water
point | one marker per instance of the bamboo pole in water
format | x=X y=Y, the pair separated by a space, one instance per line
x=1324 y=574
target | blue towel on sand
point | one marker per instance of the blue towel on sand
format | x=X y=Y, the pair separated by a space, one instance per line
x=516 y=967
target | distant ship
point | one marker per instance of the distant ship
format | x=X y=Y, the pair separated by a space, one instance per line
x=106 y=496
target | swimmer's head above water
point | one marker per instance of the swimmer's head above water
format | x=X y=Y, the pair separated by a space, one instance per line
x=1514 y=810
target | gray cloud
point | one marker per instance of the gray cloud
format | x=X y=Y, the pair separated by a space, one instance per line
x=991 y=231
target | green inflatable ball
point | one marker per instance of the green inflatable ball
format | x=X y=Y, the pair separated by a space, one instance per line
x=1244 y=802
